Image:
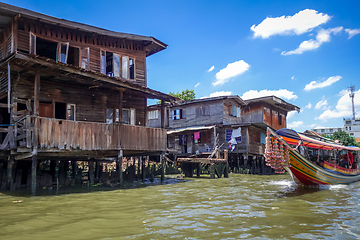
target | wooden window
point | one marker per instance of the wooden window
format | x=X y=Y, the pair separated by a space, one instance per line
x=233 y=111
x=132 y=116
x=32 y=48
x=85 y=58
x=132 y=69
x=62 y=52
x=74 y=56
x=153 y=114
x=126 y=116
x=117 y=115
x=203 y=111
x=109 y=115
x=116 y=65
x=125 y=67
x=177 y=114
x=103 y=61
x=280 y=119
x=71 y=111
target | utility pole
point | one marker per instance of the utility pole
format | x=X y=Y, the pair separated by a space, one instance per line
x=351 y=94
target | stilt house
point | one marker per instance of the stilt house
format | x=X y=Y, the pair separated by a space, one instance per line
x=197 y=126
x=70 y=91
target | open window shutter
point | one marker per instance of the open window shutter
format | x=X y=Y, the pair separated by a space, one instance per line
x=132 y=116
x=125 y=67
x=238 y=113
x=62 y=52
x=102 y=61
x=85 y=58
x=116 y=65
x=234 y=111
x=230 y=110
x=32 y=47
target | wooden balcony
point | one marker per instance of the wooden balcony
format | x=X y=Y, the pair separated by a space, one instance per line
x=49 y=133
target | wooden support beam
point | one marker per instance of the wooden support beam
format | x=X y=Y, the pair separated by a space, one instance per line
x=162 y=114
x=143 y=167
x=162 y=159
x=139 y=167
x=91 y=172
x=121 y=99
x=33 y=172
x=119 y=170
x=10 y=180
x=36 y=93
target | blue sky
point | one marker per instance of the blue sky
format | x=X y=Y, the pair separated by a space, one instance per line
x=306 y=52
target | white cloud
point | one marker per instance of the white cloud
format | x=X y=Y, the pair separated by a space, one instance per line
x=232 y=70
x=197 y=84
x=295 y=124
x=307 y=106
x=343 y=108
x=321 y=104
x=293 y=77
x=290 y=114
x=352 y=32
x=210 y=69
x=311 y=125
x=281 y=93
x=326 y=83
x=219 y=94
x=312 y=44
x=299 y=23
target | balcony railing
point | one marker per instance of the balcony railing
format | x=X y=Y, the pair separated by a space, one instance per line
x=74 y=135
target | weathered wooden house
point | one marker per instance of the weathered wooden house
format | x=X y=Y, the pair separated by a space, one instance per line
x=197 y=126
x=73 y=92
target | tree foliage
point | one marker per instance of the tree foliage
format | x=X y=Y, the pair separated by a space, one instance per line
x=185 y=95
x=344 y=138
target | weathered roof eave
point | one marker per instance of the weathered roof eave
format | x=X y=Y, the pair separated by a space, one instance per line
x=148 y=40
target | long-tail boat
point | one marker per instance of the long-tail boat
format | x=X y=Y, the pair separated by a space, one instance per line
x=289 y=150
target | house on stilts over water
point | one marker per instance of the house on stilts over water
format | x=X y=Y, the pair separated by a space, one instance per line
x=230 y=123
x=71 y=92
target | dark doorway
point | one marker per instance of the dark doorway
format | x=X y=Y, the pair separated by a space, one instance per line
x=60 y=110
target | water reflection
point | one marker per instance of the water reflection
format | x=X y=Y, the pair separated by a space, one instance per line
x=242 y=206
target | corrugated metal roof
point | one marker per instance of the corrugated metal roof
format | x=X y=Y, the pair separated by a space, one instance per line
x=197 y=128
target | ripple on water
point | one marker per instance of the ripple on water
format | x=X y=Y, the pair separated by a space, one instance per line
x=242 y=206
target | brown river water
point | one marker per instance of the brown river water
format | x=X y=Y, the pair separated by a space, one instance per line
x=239 y=207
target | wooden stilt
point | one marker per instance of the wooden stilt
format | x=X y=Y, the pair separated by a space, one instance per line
x=74 y=172
x=10 y=180
x=139 y=167
x=52 y=171
x=198 y=169
x=143 y=169
x=119 y=170
x=33 y=173
x=162 y=158
x=91 y=172
x=97 y=171
x=226 y=169
x=212 y=171
x=35 y=138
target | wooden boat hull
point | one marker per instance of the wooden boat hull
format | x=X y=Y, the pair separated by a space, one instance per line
x=306 y=173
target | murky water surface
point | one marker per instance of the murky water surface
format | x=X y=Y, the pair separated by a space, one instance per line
x=242 y=206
